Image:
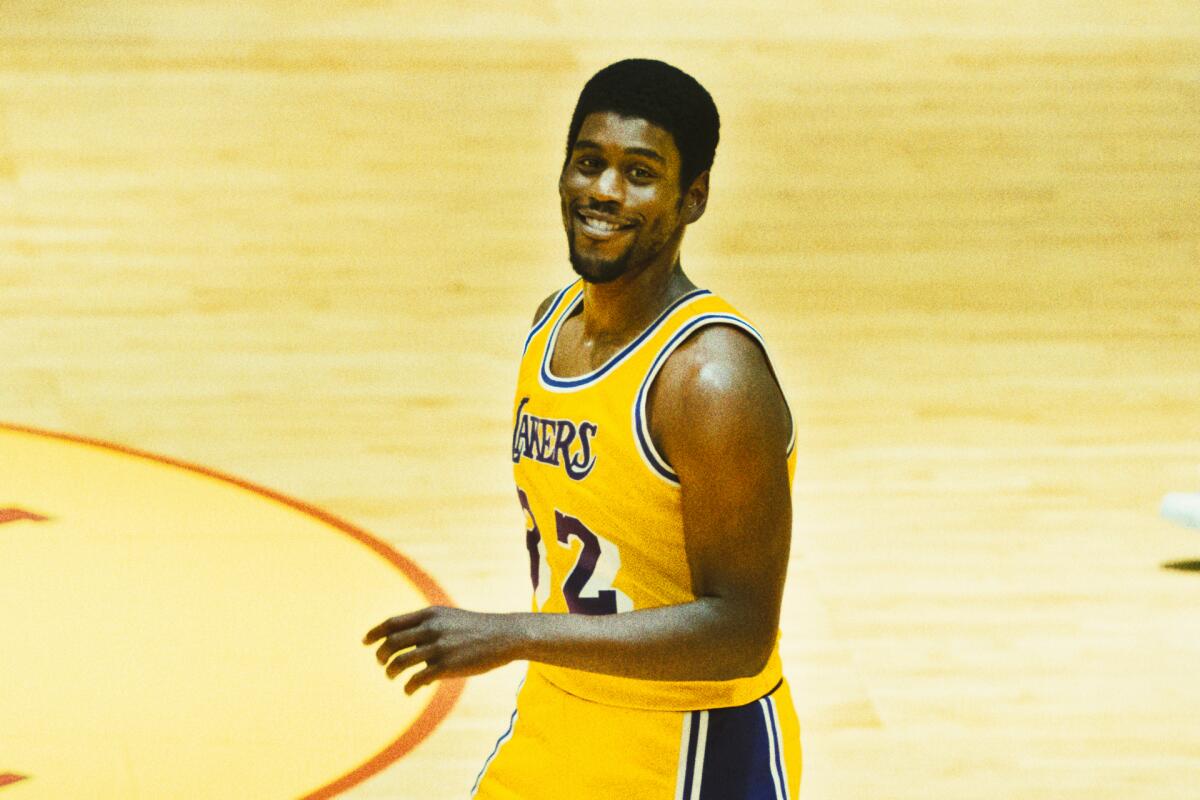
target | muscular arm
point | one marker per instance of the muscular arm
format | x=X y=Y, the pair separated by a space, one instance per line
x=718 y=417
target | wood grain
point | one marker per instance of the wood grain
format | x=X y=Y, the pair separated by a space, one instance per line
x=302 y=242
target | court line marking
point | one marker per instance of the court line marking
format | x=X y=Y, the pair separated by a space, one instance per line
x=447 y=692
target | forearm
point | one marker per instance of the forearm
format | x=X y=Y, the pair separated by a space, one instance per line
x=705 y=639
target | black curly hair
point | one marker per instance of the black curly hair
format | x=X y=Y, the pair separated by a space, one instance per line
x=659 y=93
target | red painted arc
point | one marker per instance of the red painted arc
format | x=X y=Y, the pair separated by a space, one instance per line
x=20 y=514
x=446 y=693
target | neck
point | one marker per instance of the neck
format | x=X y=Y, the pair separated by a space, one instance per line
x=623 y=307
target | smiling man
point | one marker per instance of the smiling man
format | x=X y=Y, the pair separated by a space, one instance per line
x=652 y=450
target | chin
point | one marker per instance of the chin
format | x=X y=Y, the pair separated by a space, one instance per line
x=593 y=271
x=597 y=275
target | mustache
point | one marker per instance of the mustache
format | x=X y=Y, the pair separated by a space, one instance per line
x=609 y=209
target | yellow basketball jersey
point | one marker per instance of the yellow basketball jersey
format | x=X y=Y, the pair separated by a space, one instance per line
x=604 y=524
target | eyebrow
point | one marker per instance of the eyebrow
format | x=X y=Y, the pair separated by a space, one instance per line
x=637 y=151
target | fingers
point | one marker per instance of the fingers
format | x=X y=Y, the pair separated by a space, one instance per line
x=415 y=638
x=402 y=641
x=395 y=624
x=405 y=660
x=422 y=678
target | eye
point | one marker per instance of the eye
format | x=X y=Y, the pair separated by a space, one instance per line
x=642 y=174
x=587 y=163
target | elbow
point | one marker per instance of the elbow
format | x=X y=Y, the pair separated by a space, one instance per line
x=755 y=656
x=746 y=657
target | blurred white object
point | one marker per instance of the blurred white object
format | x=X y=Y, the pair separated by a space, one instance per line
x=1182 y=507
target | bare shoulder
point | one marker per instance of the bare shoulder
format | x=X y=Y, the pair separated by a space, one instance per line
x=716 y=387
x=544 y=307
x=719 y=363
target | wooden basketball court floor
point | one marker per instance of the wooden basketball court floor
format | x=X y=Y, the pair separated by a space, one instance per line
x=300 y=243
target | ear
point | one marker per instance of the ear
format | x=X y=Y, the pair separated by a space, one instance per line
x=695 y=200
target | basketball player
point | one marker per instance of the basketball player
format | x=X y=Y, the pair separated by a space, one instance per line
x=653 y=458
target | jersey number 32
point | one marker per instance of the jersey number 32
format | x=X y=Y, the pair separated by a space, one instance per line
x=588 y=586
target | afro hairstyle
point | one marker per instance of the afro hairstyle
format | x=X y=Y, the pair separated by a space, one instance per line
x=661 y=94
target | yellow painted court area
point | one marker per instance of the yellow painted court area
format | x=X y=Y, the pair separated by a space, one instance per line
x=170 y=633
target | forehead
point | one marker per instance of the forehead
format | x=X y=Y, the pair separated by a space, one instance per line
x=610 y=130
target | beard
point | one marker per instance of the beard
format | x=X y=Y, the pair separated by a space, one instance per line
x=647 y=243
x=594 y=270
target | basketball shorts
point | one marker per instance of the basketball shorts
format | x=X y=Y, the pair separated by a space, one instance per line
x=558 y=745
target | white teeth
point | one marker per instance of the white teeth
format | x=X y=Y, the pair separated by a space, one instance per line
x=600 y=225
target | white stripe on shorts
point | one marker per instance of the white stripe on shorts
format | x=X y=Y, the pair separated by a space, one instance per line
x=771 y=747
x=683 y=755
x=698 y=770
x=779 y=742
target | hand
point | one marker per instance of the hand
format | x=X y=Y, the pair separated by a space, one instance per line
x=450 y=642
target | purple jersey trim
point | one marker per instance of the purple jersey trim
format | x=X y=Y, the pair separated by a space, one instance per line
x=640 y=425
x=549 y=381
x=504 y=738
x=541 y=323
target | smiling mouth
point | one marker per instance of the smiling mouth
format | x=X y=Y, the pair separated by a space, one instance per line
x=601 y=227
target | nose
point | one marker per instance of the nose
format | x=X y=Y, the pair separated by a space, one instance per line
x=608 y=186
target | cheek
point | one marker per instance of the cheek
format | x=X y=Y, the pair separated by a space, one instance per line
x=657 y=199
x=662 y=208
x=563 y=200
x=571 y=182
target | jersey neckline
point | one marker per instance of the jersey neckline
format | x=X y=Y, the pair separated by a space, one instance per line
x=554 y=383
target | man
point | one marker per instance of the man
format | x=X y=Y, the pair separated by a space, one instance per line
x=653 y=459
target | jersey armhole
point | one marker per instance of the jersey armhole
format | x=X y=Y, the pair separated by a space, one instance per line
x=641 y=426
x=547 y=316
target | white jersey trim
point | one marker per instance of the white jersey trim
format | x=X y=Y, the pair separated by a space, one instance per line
x=552 y=383
x=641 y=426
x=544 y=318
